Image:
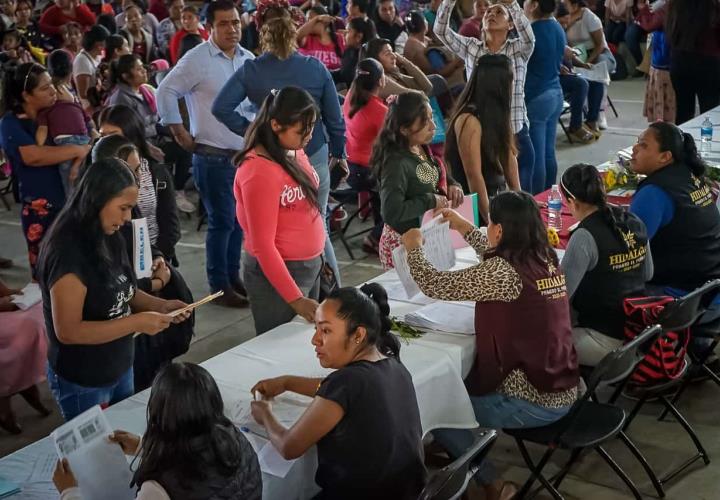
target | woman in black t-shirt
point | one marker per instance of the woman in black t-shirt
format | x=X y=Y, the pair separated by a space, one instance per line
x=90 y=300
x=364 y=416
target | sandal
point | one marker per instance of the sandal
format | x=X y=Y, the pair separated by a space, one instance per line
x=581 y=135
x=593 y=128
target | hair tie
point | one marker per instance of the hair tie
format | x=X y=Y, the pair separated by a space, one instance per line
x=274 y=92
x=391 y=99
x=362 y=72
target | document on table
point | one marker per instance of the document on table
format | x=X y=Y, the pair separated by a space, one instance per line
x=597 y=73
x=448 y=317
x=100 y=467
x=396 y=291
x=43 y=469
x=31 y=295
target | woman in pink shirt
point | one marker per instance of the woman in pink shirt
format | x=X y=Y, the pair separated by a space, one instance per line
x=364 y=114
x=277 y=208
x=317 y=38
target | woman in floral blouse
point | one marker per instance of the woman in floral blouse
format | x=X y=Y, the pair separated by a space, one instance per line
x=525 y=372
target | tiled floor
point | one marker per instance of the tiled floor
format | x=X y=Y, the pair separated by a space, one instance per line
x=218 y=329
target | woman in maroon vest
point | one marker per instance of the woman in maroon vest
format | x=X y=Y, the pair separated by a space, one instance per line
x=525 y=372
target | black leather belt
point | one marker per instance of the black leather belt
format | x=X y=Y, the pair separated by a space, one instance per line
x=204 y=149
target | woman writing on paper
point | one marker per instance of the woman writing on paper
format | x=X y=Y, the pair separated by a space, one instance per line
x=480 y=146
x=412 y=181
x=522 y=377
x=607 y=260
x=189 y=451
x=276 y=190
x=364 y=416
x=91 y=305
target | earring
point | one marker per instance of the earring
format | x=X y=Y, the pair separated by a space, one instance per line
x=357 y=341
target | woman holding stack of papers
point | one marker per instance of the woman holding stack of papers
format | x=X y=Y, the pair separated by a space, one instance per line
x=525 y=372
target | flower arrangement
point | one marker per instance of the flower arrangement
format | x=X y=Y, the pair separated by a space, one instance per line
x=618 y=176
x=553 y=237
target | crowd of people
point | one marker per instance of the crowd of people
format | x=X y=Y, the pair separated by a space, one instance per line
x=119 y=116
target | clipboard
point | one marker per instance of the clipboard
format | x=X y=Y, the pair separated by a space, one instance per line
x=200 y=302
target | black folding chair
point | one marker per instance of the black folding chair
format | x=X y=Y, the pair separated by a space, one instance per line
x=588 y=424
x=346 y=198
x=451 y=481
x=565 y=110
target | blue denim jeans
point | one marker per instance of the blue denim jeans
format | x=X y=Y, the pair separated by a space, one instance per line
x=496 y=411
x=320 y=162
x=633 y=37
x=526 y=158
x=577 y=91
x=64 y=167
x=543 y=112
x=74 y=399
x=215 y=176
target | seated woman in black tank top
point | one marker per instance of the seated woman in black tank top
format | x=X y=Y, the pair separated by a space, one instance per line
x=607 y=260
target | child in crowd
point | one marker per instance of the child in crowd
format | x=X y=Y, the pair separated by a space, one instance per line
x=660 y=101
x=15 y=48
x=412 y=181
x=65 y=122
x=190 y=21
x=71 y=34
x=317 y=38
x=359 y=30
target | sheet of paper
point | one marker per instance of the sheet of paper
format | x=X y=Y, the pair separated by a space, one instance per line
x=449 y=317
x=598 y=73
x=142 y=254
x=469 y=210
x=403 y=270
x=31 y=295
x=437 y=245
x=100 y=466
x=396 y=291
x=43 y=469
x=200 y=302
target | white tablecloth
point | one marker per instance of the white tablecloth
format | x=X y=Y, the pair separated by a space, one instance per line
x=437 y=362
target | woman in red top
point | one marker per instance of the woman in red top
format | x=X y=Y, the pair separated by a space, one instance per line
x=277 y=208
x=190 y=22
x=317 y=38
x=65 y=11
x=364 y=114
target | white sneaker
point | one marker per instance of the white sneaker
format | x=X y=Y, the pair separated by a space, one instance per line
x=602 y=121
x=183 y=204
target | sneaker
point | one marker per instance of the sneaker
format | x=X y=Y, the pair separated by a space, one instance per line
x=602 y=121
x=183 y=204
x=581 y=135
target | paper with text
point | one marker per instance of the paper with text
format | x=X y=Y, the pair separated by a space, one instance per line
x=142 y=253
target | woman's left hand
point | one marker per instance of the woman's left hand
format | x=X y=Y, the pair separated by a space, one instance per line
x=173 y=305
x=260 y=411
x=63 y=476
x=455 y=195
x=412 y=239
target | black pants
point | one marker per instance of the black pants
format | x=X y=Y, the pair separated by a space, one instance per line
x=180 y=160
x=693 y=76
x=615 y=32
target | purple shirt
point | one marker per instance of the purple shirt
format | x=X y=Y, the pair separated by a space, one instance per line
x=64 y=118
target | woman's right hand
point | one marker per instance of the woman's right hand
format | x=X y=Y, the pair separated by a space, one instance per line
x=152 y=323
x=305 y=307
x=457 y=221
x=128 y=441
x=271 y=387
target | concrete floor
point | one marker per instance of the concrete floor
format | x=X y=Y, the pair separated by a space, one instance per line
x=218 y=329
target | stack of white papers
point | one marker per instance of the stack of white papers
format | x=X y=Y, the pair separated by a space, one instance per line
x=449 y=317
x=31 y=295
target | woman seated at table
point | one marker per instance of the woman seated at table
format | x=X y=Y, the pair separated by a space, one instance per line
x=276 y=190
x=91 y=303
x=364 y=416
x=677 y=207
x=606 y=261
x=480 y=145
x=190 y=450
x=525 y=372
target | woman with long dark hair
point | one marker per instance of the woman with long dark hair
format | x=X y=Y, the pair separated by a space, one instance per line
x=480 y=144
x=90 y=299
x=129 y=79
x=28 y=89
x=317 y=38
x=606 y=261
x=364 y=114
x=190 y=449
x=677 y=207
x=693 y=29
x=364 y=416
x=411 y=180
x=277 y=207
x=522 y=377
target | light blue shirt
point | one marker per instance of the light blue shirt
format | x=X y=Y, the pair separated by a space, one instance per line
x=198 y=77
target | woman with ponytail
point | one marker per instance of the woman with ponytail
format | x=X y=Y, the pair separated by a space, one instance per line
x=364 y=113
x=677 y=207
x=364 y=416
x=276 y=190
x=607 y=260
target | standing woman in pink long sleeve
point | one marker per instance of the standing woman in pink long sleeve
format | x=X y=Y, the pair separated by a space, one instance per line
x=276 y=190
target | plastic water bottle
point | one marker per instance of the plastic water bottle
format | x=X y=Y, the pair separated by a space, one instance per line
x=554 y=208
x=706 y=133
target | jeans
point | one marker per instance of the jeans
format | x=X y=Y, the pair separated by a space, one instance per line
x=361 y=179
x=633 y=37
x=694 y=76
x=543 y=112
x=268 y=308
x=577 y=91
x=74 y=399
x=214 y=176
x=66 y=166
x=526 y=158
x=615 y=32
x=496 y=411
x=320 y=162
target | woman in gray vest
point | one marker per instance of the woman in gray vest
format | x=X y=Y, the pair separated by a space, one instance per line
x=607 y=260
